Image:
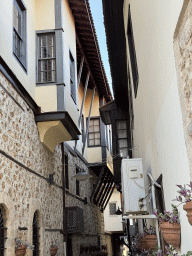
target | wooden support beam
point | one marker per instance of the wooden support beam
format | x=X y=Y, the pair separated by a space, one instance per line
x=107 y=189
x=109 y=196
x=102 y=190
x=101 y=174
x=80 y=72
x=84 y=95
x=86 y=61
x=87 y=128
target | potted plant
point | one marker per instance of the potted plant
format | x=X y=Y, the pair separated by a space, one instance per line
x=171 y=251
x=21 y=247
x=185 y=192
x=150 y=237
x=149 y=241
x=170 y=226
x=53 y=248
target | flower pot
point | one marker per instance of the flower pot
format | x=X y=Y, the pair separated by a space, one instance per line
x=188 y=208
x=171 y=233
x=149 y=242
x=53 y=251
x=21 y=251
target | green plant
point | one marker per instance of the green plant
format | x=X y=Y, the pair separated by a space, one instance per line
x=171 y=251
x=171 y=217
x=54 y=244
x=19 y=243
x=185 y=193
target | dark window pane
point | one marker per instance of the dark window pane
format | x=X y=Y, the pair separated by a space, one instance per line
x=133 y=58
x=66 y=172
x=112 y=208
x=77 y=184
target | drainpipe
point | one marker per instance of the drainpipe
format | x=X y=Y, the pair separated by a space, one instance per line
x=63 y=185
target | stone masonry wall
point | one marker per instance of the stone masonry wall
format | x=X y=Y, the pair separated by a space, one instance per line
x=93 y=218
x=22 y=192
x=183 y=56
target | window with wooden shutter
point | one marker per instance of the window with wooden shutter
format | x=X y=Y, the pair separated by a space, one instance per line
x=112 y=208
x=94 y=135
x=19 y=32
x=72 y=77
x=46 y=58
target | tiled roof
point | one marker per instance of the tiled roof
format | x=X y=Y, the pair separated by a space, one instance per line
x=87 y=36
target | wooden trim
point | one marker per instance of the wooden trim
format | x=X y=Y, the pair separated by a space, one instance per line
x=84 y=95
x=85 y=59
x=87 y=128
x=99 y=145
x=80 y=72
x=107 y=189
x=109 y=196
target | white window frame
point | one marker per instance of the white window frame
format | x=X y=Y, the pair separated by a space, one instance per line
x=49 y=58
x=20 y=35
x=99 y=132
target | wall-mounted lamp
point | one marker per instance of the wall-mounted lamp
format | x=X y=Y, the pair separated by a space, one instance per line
x=118 y=212
x=82 y=175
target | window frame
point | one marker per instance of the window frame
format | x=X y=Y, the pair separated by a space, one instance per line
x=77 y=190
x=82 y=128
x=45 y=33
x=66 y=159
x=113 y=215
x=132 y=53
x=22 y=36
x=122 y=120
x=99 y=145
x=73 y=86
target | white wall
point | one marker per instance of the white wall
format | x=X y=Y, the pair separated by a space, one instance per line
x=28 y=78
x=113 y=222
x=158 y=126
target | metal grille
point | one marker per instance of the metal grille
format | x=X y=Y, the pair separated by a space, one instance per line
x=74 y=220
x=36 y=235
x=2 y=230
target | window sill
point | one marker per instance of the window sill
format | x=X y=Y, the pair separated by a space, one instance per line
x=44 y=84
x=95 y=146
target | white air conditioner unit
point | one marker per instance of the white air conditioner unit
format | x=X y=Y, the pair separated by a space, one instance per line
x=133 y=186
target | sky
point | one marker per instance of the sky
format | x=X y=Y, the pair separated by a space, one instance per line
x=97 y=13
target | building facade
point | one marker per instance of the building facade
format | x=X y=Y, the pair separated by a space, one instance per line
x=113 y=223
x=151 y=64
x=52 y=83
